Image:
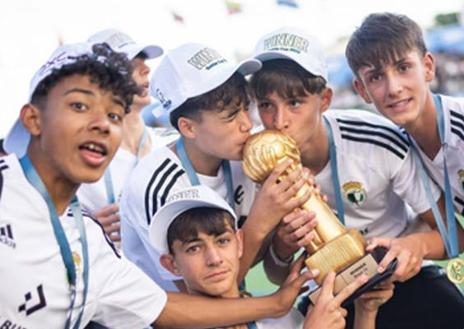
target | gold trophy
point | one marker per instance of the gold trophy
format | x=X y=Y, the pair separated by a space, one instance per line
x=334 y=248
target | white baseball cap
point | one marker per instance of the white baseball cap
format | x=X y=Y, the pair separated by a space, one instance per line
x=294 y=44
x=17 y=139
x=178 y=203
x=121 y=42
x=192 y=70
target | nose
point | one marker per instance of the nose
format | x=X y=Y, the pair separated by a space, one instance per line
x=213 y=256
x=245 y=121
x=394 y=85
x=100 y=122
x=280 y=119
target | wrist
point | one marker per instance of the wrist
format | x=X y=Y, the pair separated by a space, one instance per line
x=280 y=261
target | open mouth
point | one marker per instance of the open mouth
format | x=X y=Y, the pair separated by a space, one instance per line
x=97 y=148
x=399 y=104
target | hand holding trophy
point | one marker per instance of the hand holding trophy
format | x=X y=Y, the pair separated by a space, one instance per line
x=334 y=248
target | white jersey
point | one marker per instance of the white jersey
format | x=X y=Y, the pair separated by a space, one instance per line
x=153 y=180
x=94 y=196
x=453 y=110
x=34 y=290
x=378 y=175
x=293 y=320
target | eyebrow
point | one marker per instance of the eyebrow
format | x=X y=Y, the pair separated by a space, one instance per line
x=79 y=90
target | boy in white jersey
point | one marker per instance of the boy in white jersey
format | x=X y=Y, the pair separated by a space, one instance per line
x=101 y=198
x=55 y=258
x=393 y=70
x=363 y=163
x=207 y=99
x=197 y=236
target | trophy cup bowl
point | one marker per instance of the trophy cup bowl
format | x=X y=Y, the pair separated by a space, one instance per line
x=334 y=248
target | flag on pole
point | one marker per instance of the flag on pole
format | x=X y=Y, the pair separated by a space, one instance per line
x=288 y=3
x=233 y=7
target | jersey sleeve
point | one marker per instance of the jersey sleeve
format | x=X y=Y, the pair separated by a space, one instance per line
x=125 y=296
x=408 y=184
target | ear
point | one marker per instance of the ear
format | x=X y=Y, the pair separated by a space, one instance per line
x=186 y=127
x=169 y=263
x=31 y=117
x=326 y=99
x=358 y=85
x=429 y=67
x=239 y=236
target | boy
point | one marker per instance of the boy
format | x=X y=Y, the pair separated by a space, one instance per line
x=55 y=258
x=196 y=234
x=101 y=198
x=393 y=70
x=207 y=99
x=376 y=176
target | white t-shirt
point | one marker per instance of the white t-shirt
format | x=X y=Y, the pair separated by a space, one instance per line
x=34 y=290
x=378 y=175
x=453 y=110
x=94 y=196
x=293 y=320
x=156 y=177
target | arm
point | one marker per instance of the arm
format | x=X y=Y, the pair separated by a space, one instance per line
x=204 y=312
x=367 y=306
x=294 y=232
x=272 y=203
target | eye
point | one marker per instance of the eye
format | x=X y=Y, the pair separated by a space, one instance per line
x=294 y=102
x=404 y=67
x=78 y=106
x=192 y=249
x=375 y=77
x=115 y=116
x=264 y=105
x=223 y=241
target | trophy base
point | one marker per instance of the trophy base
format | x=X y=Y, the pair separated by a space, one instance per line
x=368 y=265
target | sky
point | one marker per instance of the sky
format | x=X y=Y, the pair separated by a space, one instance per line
x=31 y=29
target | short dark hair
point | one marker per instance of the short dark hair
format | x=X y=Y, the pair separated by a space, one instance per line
x=187 y=226
x=383 y=38
x=110 y=70
x=235 y=89
x=285 y=77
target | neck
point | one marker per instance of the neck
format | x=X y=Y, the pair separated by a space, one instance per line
x=424 y=129
x=133 y=128
x=60 y=189
x=315 y=153
x=203 y=163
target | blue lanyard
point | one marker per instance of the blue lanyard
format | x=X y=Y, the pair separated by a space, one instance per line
x=192 y=175
x=251 y=325
x=65 y=249
x=449 y=235
x=334 y=169
x=107 y=176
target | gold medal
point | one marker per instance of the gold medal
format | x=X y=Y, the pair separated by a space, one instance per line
x=455 y=270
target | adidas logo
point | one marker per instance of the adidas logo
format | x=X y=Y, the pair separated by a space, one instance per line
x=6 y=236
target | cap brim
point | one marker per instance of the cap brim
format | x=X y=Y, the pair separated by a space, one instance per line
x=158 y=230
x=151 y=51
x=17 y=139
x=248 y=66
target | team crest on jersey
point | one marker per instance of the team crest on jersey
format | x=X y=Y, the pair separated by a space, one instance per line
x=461 y=177
x=77 y=261
x=355 y=193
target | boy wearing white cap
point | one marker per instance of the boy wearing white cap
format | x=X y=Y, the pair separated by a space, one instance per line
x=362 y=161
x=207 y=98
x=57 y=268
x=197 y=236
x=101 y=198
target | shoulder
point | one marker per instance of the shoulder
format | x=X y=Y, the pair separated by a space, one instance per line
x=455 y=107
x=364 y=131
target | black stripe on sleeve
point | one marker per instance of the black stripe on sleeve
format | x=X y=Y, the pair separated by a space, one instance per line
x=170 y=185
x=158 y=188
x=149 y=186
x=375 y=142
x=375 y=133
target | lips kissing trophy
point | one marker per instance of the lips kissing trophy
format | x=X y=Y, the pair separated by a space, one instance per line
x=334 y=248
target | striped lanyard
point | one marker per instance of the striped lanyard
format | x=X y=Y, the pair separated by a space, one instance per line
x=449 y=235
x=60 y=236
x=334 y=170
x=193 y=177
x=107 y=176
